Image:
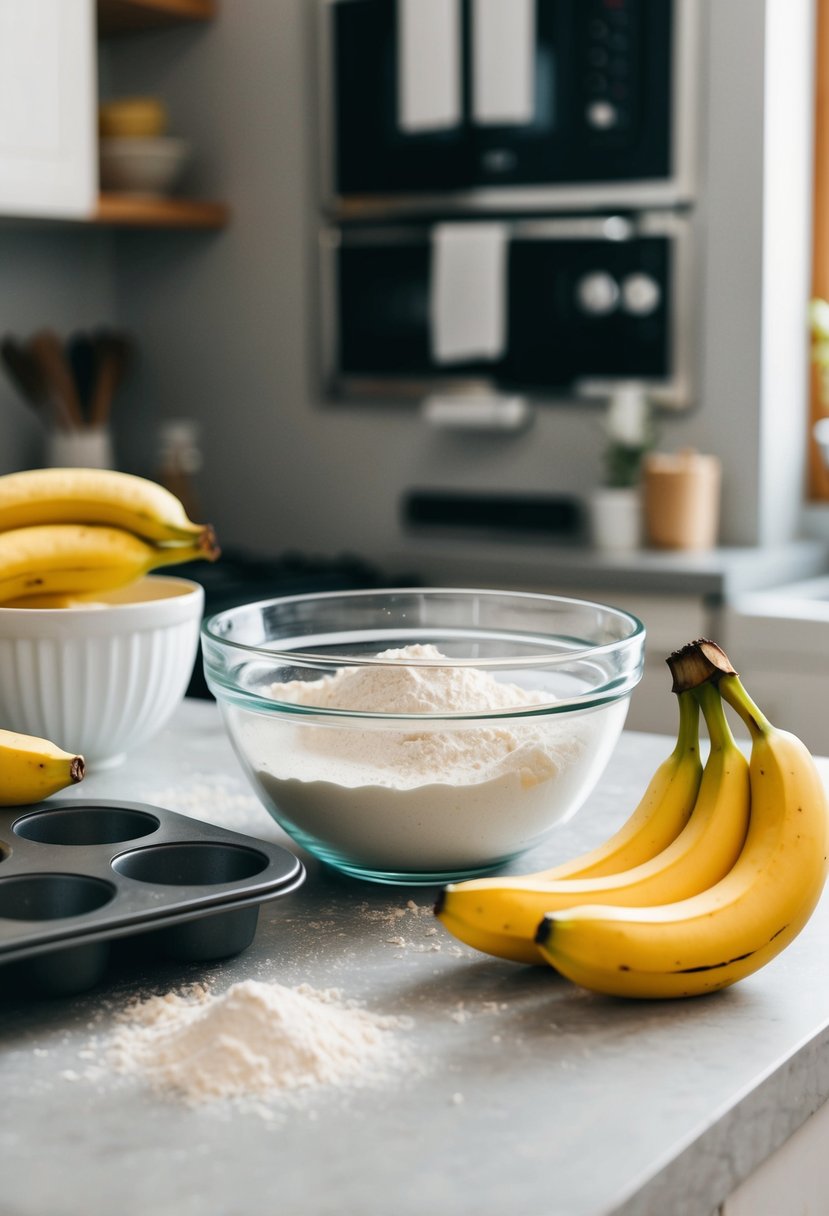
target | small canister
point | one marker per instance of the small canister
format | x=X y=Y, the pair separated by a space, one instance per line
x=682 y=499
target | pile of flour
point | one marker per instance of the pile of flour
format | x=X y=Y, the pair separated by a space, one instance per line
x=256 y=1040
x=411 y=757
x=435 y=797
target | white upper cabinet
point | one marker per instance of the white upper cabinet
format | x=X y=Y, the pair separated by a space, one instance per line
x=48 y=141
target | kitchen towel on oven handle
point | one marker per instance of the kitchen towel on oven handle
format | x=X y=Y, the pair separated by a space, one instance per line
x=468 y=312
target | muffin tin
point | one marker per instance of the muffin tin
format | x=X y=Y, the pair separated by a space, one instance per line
x=76 y=875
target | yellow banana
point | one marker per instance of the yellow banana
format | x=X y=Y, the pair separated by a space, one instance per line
x=741 y=923
x=659 y=817
x=501 y=917
x=96 y=496
x=60 y=559
x=33 y=768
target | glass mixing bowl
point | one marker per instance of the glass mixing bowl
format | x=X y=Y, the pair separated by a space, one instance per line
x=440 y=763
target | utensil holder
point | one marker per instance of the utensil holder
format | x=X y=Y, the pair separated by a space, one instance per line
x=90 y=448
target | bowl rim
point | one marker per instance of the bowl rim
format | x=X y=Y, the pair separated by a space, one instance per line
x=613 y=690
x=192 y=589
x=331 y=658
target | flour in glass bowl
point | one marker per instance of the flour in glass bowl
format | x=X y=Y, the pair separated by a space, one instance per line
x=433 y=798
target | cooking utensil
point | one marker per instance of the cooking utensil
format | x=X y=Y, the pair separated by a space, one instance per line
x=24 y=372
x=80 y=873
x=82 y=360
x=113 y=352
x=47 y=349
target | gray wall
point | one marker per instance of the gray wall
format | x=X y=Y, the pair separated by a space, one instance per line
x=60 y=278
x=227 y=322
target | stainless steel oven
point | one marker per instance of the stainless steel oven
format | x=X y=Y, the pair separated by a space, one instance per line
x=574 y=104
x=588 y=302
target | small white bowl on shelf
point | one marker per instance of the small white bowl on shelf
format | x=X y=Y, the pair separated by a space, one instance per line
x=142 y=166
x=100 y=678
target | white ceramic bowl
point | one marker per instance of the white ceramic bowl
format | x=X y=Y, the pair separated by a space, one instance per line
x=100 y=681
x=142 y=165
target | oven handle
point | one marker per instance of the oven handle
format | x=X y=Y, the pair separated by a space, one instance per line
x=564 y=228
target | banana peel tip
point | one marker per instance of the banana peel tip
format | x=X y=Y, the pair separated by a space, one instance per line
x=544 y=931
x=208 y=544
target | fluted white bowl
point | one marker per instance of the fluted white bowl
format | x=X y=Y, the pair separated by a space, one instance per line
x=100 y=680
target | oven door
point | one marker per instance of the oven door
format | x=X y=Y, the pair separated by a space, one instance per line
x=590 y=302
x=611 y=120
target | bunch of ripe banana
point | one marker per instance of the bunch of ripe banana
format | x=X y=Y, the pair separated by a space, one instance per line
x=66 y=534
x=714 y=873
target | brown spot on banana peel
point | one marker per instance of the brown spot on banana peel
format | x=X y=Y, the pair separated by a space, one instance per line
x=716 y=966
x=545 y=929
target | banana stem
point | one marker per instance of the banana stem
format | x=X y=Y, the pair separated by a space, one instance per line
x=688 y=734
x=710 y=701
x=732 y=690
x=204 y=546
x=697 y=663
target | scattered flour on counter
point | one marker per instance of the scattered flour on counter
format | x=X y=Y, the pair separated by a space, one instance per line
x=255 y=1041
x=203 y=796
x=418 y=920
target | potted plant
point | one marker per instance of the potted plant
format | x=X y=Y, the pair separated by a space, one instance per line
x=616 y=506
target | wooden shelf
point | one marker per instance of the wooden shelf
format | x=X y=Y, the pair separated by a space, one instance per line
x=128 y=16
x=125 y=211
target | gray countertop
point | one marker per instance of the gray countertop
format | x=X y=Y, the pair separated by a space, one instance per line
x=526 y=1095
x=718 y=574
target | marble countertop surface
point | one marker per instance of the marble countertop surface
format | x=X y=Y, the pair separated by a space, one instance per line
x=525 y=1095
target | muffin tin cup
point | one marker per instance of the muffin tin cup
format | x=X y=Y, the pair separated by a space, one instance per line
x=76 y=875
